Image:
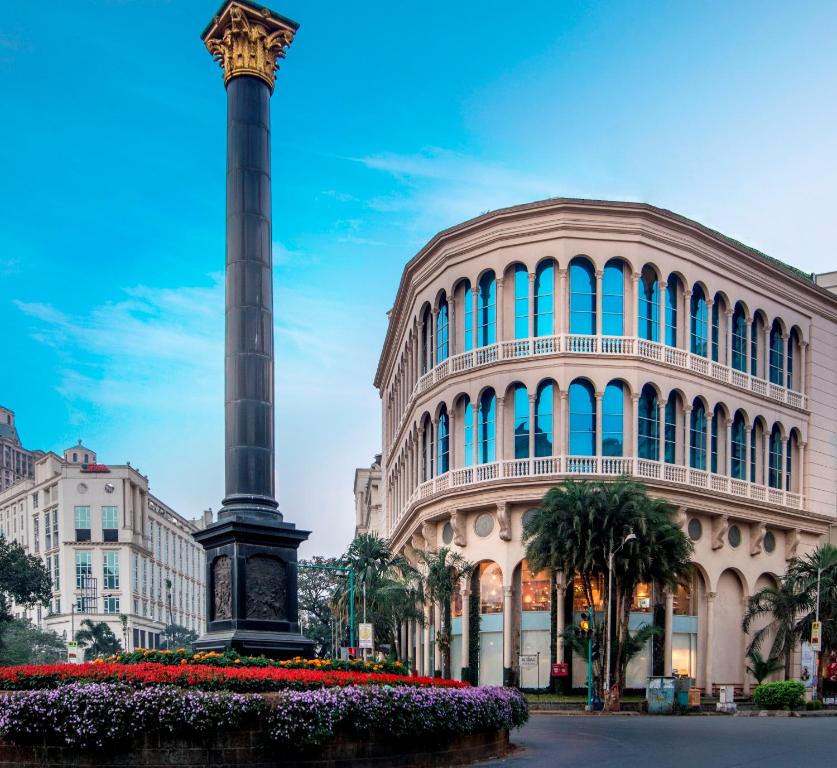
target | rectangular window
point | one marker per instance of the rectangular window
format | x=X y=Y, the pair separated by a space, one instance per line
x=84 y=569
x=135 y=569
x=36 y=534
x=82 y=518
x=112 y=604
x=110 y=525
x=47 y=531
x=110 y=574
x=56 y=573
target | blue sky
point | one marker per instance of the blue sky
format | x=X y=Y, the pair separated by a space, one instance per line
x=390 y=122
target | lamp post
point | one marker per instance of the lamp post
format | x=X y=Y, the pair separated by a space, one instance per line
x=630 y=537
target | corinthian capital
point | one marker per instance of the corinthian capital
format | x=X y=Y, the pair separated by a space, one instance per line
x=247 y=39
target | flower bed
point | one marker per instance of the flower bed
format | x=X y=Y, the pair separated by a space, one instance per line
x=85 y=716
x=206 y=678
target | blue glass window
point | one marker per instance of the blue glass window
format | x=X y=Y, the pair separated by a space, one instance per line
x=697 y=436
x=544 y=299
x=488 y=409
x=442 y=332
x=543 y=420
x=521 y=302
x=425 y=339
x=738 y=448
x=777 y=355
x=754 y=348
x=582 y=297
x=774 y=475
x=487 y=310
x=792 y=342
x=521 y=422
x=468 y=432
x=671 y=310
x=671 y=428
x=739 y=339
x=582 y=419
x=714 y=443
x=649 y=424
x=613 y=413
x=649 y=305
x=443 y=444
x=468 y=320
x=613 y=300
x=716 y=329
x=698 y=322
x=426 y=453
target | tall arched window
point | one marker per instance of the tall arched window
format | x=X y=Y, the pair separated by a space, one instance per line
x=755 y=328
x=582 y=296
x=713 y=442
x=543 y=420
x=613 y=299
x=467 y=432
x=426 y=451
x=521 y=422
x=672 y=409
x=698 y=322
x=613 y=413
x=793 y=342
x=774 y=474
x=425 y=339
x=716 y=329
x=521 y=302
x=739 y=338
x=777 y=354
x=442 y=332
x=671 y=310
x=649 y=424
x=649 y=305
x=545 y=299
x=697 y=436
x=582 y=402
x=443 y=443
x=487 y=310
x=738 y=448
x=488 y=417
x=468 y=319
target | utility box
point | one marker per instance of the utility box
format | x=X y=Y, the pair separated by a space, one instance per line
x=660 y=695
x=682 y=686
x=726 y=699
x=694 y=697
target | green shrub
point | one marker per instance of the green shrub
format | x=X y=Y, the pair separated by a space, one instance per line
x=813 y=705
x=787 y=694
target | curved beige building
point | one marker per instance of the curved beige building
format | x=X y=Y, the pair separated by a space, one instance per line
x=578 y=338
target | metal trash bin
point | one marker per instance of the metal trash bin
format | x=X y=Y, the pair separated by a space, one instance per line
x=660 y=695
x=682 y=686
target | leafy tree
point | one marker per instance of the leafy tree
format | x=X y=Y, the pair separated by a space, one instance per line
x=26 y=643
x=23 y=578
x=444 y=569
x=97 y=640
x=178 y=636
x=761 y=668
x=803 y=571
x=317 y=591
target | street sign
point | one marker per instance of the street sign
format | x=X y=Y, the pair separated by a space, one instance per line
x=560 y=670
x=528 y=660
x=365 y=636
x=816 y=636
x=73 y=654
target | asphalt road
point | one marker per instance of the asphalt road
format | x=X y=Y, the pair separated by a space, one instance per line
x=554 y=741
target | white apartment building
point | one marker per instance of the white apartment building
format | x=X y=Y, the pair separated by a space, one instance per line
x=109 y=545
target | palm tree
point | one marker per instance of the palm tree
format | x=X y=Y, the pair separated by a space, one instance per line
x=444 y=570
x=761 y=668
x=804 y=571
x=98 y=640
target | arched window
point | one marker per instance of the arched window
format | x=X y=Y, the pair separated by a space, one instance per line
x=425 y=339
x=698 y=322
x=613 y=412
x=738 y=448
x=672 y=409
x=543 y=420
x=521 y=422
x=467 y=432
x=649 y=424
x=442 y=332
x=487 y=310
x=754 y=347
x=774 y=475
x=671 y=310
x=649 y=305
x=545 y=299
x=777 y=354
x=697 y=436
x=716 y=329
x=521 y=302
x=427 y=451
x=468 y=319
x=488 y=411
x=713 y=442
x=582 y=418
x=582 y=296
x=739 y=339
x=793 y=342
x=443 y=443
x=491 y=588
x=613 y=299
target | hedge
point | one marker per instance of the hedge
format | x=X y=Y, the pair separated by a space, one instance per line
x=786 y=694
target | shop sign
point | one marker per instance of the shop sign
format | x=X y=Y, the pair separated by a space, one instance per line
x=73 y=654
x=365 y=636
x=816 y=636
x=95 y=468
x=528 y=660
x=560 y=670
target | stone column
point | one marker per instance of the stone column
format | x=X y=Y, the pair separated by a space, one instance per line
x=501 y=333
x=743 y=651
x=451 y=323
x=635 y=427
x=803 y=365
x=452 y=439
x=765 y=335
x=669 y=625
x=728 y=338
x=728 y=451
x=466 y=627
x=748 y=428
x=475 y=433
x=562 y=429
x=476 y=311
x=663 y=285
x=563 y=307
x=710 y=634
x=437 y=649
x=426 y=668
x=507 y=634
x=709 y=304
x=599 y=282
x=531 y=305
x=559 y=617
x=599 y=421
x=411 y=644
x=687 y=415
x=800 y=470
x=635 y=277
x=686 y=322
x=707 y=440
x=532 y=417
x=765 y=457
x=500 y=429
x=747 y=356
x=661 y=429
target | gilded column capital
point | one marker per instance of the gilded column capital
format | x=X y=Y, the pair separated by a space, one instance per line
x=247 y=39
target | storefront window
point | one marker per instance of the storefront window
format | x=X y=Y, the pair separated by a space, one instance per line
x=642 y=598
x=534 y=589
x=580 y=598
x=491 y=588
x=684 y=599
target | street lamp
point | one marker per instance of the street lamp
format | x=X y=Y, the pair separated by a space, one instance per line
x=630 y=537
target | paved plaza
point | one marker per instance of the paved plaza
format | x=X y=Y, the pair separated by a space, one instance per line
x=553 y=741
